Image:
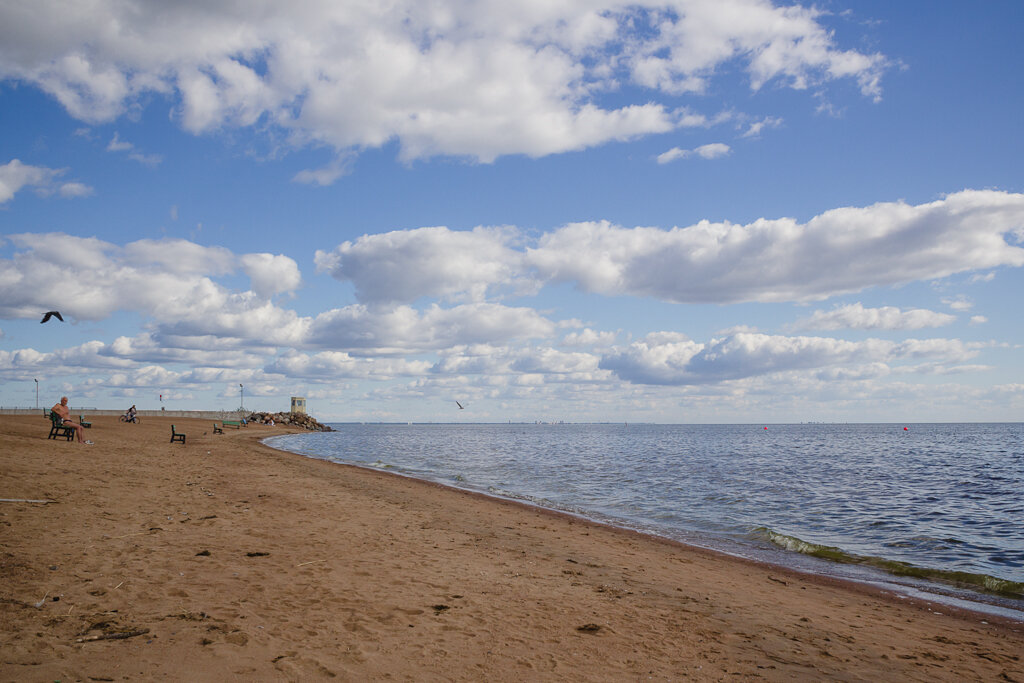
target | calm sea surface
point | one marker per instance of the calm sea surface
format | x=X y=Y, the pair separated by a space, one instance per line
x=937 y=508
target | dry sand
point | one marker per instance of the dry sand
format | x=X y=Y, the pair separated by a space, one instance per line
x=244 y=563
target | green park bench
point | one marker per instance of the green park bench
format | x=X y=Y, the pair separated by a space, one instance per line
x=176 y=436
x=58 y=428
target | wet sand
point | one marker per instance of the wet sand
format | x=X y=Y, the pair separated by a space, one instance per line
x=224 y=559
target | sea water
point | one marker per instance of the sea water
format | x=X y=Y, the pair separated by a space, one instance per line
x=924 y=508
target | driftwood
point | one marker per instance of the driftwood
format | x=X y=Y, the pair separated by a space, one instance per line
x=303 y=564
x=121 y=635
x=24 y=500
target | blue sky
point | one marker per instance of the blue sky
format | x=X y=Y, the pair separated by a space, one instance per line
x=680 y=211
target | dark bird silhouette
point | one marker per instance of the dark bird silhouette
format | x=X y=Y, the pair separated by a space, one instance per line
x=461 y=407
x=51 y=314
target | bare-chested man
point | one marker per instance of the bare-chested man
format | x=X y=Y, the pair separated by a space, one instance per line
x=65 y=414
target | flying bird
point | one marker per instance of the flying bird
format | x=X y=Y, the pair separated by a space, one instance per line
x=461 y=407
x=51 y=314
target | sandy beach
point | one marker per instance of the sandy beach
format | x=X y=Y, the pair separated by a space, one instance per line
x=223 y=559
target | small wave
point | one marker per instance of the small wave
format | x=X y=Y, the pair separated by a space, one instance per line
x=550 y=505
x=512 y=495
x=978 y=582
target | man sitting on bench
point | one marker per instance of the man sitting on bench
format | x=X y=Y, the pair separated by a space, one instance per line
x=65 y=415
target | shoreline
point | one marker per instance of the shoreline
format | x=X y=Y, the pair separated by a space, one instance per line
x=917 y=581
x=315 y=569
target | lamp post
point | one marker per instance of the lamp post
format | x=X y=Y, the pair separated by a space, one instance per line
x=37 y=394
x=241 y=398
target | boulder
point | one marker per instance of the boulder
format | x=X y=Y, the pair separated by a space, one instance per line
x=303 y=420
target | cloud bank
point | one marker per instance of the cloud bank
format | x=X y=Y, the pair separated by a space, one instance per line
x=431 y=308
x=770 y=260
x=773 y=260
x=477 y=79
x=679 y=361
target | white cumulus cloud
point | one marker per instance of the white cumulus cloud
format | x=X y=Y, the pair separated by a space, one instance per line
x=271 y=273
x=840 y=251
x=402 y=329
x=169 y=280
x=713 y=150
x=339 y=364
x=479 y=78
x=116 y=144
x=674 y=361
x=959 y=303
x=16 y=176
x=403 y=266
x=857 y=317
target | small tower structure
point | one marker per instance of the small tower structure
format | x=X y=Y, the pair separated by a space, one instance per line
x=299 y=404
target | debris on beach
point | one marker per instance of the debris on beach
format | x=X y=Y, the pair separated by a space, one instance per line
x=303 y=420
x=116 y=635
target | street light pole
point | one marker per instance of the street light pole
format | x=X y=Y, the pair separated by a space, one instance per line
x=241 y=398
x=37 y=394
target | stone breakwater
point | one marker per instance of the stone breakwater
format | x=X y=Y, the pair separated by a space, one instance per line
x=298 y=419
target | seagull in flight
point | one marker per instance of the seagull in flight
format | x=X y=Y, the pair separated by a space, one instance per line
x=51 y=314
x=461 y=407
